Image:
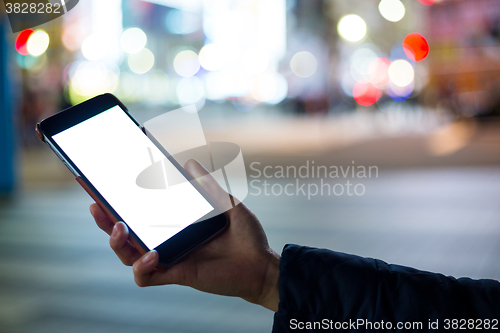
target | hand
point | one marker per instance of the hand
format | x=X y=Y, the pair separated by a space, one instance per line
x=238 y=262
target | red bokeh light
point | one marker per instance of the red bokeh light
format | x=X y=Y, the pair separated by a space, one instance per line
x=365 y=93
x=416 y=47
x=378 y=71
x=22 y=40
x=427 y=2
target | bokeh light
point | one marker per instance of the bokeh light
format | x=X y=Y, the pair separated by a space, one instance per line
x=415 y=47
x=94 y=48
x=264 y=88
x=133 y=40
x=22 y=40
x=190 y=90
x=222 y=24
x=397 y=52
x=181 y=22
x=230 y=82
x=33 y=64
x=365 y=93
x=156 y=87
x=216 y=86
x=392 y=10
x=360 y=63
x=141 y=62
x=401 y=73
x=379 y=71
x=352 y=28
x=238 y=82
x=255 y=61
x=427 y=2
x=73 y=35
x=186 y=63
x=213 y=57
x=128 y=86
x=347 y=83
x=38 y=43
x=399 y=94
x=304 y=64
x=90 y=78
x=281 y=91
x=271 y=88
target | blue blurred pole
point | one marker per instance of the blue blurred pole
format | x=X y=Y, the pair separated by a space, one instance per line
x=7 y=141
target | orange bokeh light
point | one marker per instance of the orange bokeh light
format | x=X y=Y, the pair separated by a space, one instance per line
x=415 y=47
x=22 y=41
x=365 y=93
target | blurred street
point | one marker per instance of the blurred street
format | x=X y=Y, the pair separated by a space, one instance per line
x=58 y=274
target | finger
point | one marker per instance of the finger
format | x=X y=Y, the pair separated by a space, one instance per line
x=127 y=253
x=102 y=220
x=145 y=268
x=209 y=184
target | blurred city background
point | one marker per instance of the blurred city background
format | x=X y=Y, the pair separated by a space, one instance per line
x=409 y=86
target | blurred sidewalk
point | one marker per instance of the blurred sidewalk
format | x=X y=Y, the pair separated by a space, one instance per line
x=58 y=274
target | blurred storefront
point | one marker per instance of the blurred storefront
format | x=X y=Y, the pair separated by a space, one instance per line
x=465 y=64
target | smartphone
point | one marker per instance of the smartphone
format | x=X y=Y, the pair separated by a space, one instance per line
x=106 y=149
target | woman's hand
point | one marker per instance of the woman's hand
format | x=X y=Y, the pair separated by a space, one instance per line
x=238 y=262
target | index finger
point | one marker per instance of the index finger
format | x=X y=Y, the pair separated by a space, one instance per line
x=102 y=220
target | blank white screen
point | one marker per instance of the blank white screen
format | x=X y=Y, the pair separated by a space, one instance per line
x=111 y=151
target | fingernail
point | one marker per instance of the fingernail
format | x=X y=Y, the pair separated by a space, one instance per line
x=149 y=257
x=114 y=233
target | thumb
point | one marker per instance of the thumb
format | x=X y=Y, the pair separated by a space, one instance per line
x=221 y=198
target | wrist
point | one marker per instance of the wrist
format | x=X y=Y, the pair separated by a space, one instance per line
x=269 y=297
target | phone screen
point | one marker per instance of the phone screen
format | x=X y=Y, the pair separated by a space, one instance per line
x=112 y=151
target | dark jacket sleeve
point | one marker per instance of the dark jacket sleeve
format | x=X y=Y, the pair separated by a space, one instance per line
x=328 y=289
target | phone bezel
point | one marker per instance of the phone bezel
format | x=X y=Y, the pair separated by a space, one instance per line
x=174 y=248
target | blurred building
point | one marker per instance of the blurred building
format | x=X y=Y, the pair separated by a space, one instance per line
x=464 y=68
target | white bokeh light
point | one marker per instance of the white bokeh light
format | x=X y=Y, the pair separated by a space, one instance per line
x=401 y=73
x=392 y=10
x=89 y=78
x=190 y=90
x=255 y=61
x=94 y=48
x=213 y=57
x=360 y=63
x=216 y=86
x=352 y=28
x=141 y=62
x=38 y=43
x=271 y=88
x=186 y=63
x=133 y=40
x=303 y=64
